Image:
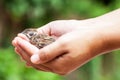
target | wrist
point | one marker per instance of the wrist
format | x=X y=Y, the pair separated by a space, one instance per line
x=111 y=37
x=108 y=27
x=107 y=36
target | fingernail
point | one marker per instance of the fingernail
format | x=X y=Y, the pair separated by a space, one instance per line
x=35 y=59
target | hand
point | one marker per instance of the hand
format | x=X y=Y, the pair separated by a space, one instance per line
x=73 y=47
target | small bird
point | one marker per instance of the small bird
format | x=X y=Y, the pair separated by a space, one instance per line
x=37 y=39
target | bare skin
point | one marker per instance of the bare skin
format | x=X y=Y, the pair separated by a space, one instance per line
x=77 y=42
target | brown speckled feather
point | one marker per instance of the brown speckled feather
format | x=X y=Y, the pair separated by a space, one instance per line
x=39 y=40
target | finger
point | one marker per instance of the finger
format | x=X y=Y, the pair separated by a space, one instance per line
x=22 y=53
x=27 y=59
x=28 y=65
x=14 y=42
x=23 y=36
x=42 y=67
x=38 y=67
x=44 y=30
x=22 y=59
x=62 y=65
x=17 y=51
x=48 y=53
x=27 y=47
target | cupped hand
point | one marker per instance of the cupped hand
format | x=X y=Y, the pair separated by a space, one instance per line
x=74 y=46
x=76 y=43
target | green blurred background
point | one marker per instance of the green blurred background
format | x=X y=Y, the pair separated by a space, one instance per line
x=16 y=15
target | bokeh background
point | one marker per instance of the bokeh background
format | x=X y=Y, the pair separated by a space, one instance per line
x=16 y=15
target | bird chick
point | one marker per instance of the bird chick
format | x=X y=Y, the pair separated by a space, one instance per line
x=37 y=39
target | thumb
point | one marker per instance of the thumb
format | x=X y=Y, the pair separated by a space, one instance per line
x=48 y=53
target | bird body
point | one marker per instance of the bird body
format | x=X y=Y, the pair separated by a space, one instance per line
x=37 y=39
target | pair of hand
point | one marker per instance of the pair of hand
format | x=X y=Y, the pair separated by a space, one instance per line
x=76 y=43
